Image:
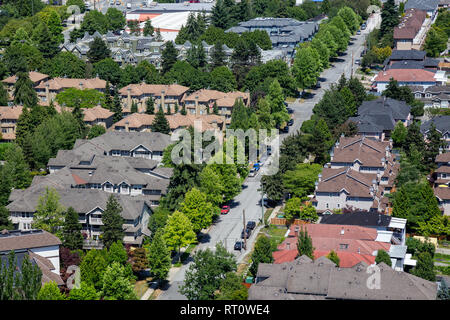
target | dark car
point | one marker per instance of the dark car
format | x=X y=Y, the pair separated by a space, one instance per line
x=285 y=129
x=246 y=231
x=290 y=122
x=251 y=225
x=289 y=110
x=317 y=85
x=239 y=245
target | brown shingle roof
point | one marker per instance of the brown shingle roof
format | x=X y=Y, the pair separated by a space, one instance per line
x=368 y=151
x=153 y=89
x=443 y=157
x=442 y=193
x=10 y=113
x=35 y=77
x=64 y=83
x=27 y=240
x=95 y=113
x=355 y=183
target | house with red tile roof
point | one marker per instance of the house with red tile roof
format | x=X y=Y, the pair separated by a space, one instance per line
x=35 y=77
x=353 y=244
x=404 y=77
x=8 y=122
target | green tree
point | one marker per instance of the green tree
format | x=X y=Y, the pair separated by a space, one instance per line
x=95 y=131
x=93 y=266
x=210 y=185
x=150 y=106
x=223 y=79
x=332 y=255
x=116 y=285
x=50 y=291
x=169 y=56
x=436 y=42
x=116 y=107
x=109 y=70
x=261 y=254
x=16 y=168
x=196 y=207
x=218 y=55
x=178 y=232
x=399 y=134
x=434 y=143
x=389 y=17
x=383 y=256
x=231 y=288
x=45 y=42
x=139 y=261
x=148 y=28
x=98 y=51
x=116 y=19
x=309 y=213
x=49 y=213
x=292 y=208
x=82 y=98
x=160 y=123
x=300 y=182
x=3 y=95
x=85 y=292
x=159 y=256
x=65 y=64
x=5 y=222
x=205 y=275
x=112 y=222
x=306 y=67
x=304 y=244
x=24 y=93
x=71 y=230
x=424 y=267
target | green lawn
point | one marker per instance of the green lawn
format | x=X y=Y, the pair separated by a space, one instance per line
x=442 y=258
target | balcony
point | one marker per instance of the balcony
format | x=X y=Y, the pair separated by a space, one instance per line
x=92 y=244
x=96 y=221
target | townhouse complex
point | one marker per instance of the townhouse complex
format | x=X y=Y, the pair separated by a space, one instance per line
x=120 y=163
x=361 y=172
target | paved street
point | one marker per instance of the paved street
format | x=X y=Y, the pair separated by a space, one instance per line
x=228 y=229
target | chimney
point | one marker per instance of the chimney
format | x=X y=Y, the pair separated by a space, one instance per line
x=288 y=245
x=197 y=109
x=316 y=184
x=129 y=103
x=331 y=155
x=359 y=250
x=383 y=161
x=163 y=92
x=387 y=152
x=379 y=219
x=320 y=177
x=342 y=231
x=441 y=150
x=47 y=92
x=127 y=126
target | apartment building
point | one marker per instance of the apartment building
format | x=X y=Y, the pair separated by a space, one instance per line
x=433 y=97
x=47 y=90
x=141 y=122
x=8 y=122
x=35 y=77
x=442 y=124
x=442 y=182
x=164 y=96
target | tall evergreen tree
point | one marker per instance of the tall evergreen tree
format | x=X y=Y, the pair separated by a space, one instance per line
x=160 y=123
x=261 y=254
x=383 y=256
x=5 y=221
x=134 y=107
x=98 y=51
x=150 y=106
x=112 y=222
x=389 y=17
x=424 y=267
x=304 y=244
x=148 y=28
x=3 y=95
x=24 y=93
x=45 y=42
x=169 y=56
x=71 y=233
x=435 y=142
x=117 y=106
x=218 y=55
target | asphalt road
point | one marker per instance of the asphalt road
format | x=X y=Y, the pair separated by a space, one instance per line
x=229 y=227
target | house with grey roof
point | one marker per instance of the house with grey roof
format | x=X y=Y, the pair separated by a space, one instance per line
x=377 y=118
x=432 y=97
x=321 y=279
x=442 y=124
x=430 y=6
x=285 y=33
x=125 y=164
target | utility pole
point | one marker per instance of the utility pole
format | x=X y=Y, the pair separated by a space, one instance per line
x=245 y=231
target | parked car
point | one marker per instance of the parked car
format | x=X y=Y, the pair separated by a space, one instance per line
x=285 y=129
x=363 y=26
x=358 y=32
x=269 y=150
x=118 y=3
x=246 y=231
x=252 y=172
x=129 y=5
x=290 y=122
x=251 y=225
x=239 y=245
x=358 y=61
x=225 y=210
x=289 y=110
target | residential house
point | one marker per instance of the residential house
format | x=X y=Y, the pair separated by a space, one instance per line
x=47 y=90
x=353 y=244
x=165 y=96
x=430 y=6
x=141 y=122
x=377 y=118
x=405 y=77
x=411 y=30
x=321 y=279
x=361 y=171
x=285 y=33
x=202 y=102
x=442 y=182
x=432 y=97
x=35 y=77
x=8 y=122
x=442 y=124
x=41 y=247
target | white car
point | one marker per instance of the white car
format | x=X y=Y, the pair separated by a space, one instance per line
x=128 y=5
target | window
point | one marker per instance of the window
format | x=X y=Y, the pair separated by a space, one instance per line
x=343 y=246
